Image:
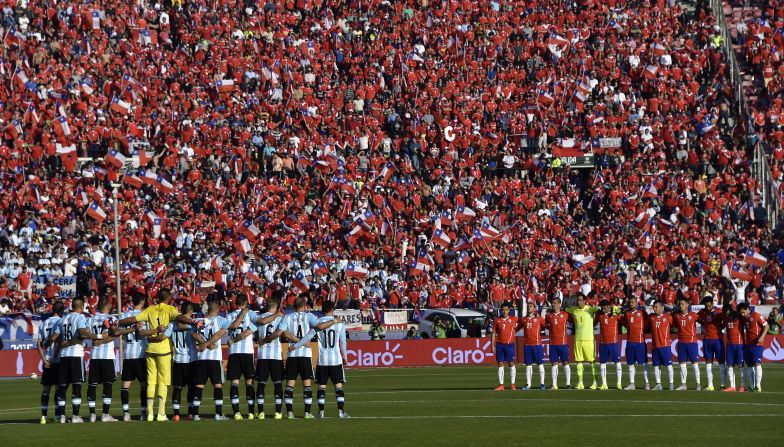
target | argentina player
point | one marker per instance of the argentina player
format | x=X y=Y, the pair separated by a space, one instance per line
x=101 y=361
x=270 y=356
x=50 y=357
x=241 y=356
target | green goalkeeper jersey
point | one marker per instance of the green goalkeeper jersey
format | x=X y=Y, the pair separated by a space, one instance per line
x=583 y=322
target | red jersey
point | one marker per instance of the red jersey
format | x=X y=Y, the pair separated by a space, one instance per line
x=556 y=323
x=712 y=323
x=660 y=330
x=505 y=329
x=532 y=328
x=608 y=327
x=635 y=325
x=733 y=325
x=753 y=325
x=687 y=327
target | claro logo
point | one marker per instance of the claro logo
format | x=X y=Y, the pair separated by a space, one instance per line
x=454 y=356
x=365 y=358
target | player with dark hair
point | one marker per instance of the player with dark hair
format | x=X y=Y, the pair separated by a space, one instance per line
x=688 y=352
x=609 y=351
x=555 y=321
x=502 y=342
x=660 y=324
x=269 y=365
x=210 y=364
x=532 y=325
x=712 y=324
x=755 y=328
x=584 y=343
x=134 y=366
x=101 y=361
x=50 y=357
x=240 y=364
x=634 y=319
x=184 y=366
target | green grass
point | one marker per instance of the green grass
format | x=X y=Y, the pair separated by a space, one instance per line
x=438 y=406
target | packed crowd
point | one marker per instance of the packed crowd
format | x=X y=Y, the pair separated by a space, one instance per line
x=379 y=154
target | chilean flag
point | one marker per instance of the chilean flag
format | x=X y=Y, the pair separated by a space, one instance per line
x=141 y=158
x=488 y=231
x=650 y=71
x=61 y=126
x=133 y=181
x=149 y=215
x=546 y=99
x=225 y=85
x=96 y=212
x=163 y=185
x=301 y=282
x=14 y=129
x=120 y=106
x=321 y=268
x=250 y=230
x=148 y=177
x=583 y=263
x=387 y=171
x=115 y=159
x=464 y=213
x=465 y=258
x=659 y=49
x=738 y=273
x=755 y=259
x=242 y=244
x=650 y=192
x=643 y=219
x=463 y=244
x=355 y=271
x=425 y=259
x=441 y=238
x=156 y=228
x=147 y=37
x=94 y=20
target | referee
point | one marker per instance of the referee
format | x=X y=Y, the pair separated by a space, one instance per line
x=159 y=353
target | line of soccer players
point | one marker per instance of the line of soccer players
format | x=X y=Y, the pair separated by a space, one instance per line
x=745 y=331
x=162 y=347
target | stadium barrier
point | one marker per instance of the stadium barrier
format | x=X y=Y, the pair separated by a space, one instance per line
x=390 y=354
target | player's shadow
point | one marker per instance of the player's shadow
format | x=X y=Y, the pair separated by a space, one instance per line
x=436 y=389
x=20 y=421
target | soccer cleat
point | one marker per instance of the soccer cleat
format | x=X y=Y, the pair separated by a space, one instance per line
x=176 y=418
x=682 y=388
x=62 y=419
x=320 y=415
x=278 y=415
x=343 y=415
x=499 y=388
x=220 y=417
x=261 y=416
x=603 y=387
x=196 y=418
x=630 y=387
x=729 y=390
x=555 y=387
x=647 y=386
x=126 y=417
x=513 y=387
x=699 y=387
x=580 y=386
x=107 y=418
x=237 y=417
x=709 y=388
x=143 y=416
x=618 y=386
x=93 y=417
x=251 y=416
x=77 y=420
x=161 y=418
x=742 y=389
x=672 y=387
x=43 y=420
x=525 y=388
x=309 y=416
x=593 y=386
x=290 y=415
x=150 y=417
x=542 y=386
x=658 y=387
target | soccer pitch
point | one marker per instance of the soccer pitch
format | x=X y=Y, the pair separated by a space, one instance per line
x=446 y=406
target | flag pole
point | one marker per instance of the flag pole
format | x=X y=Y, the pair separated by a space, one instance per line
x=117 y=261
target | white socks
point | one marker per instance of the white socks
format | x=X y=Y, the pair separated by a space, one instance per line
x=529 y=371
x=697 y=372
x=743 y=375
x=513 y=374
x=657 y=375
x=541 y=374
x=731 y=376
x=723 y=372
x=568 y=372
x=757 y=376
x=684 y=373
x=603 y=373
x=709 y=374
x=554 y=373
x=501 y=375
x=632 y=371
x=671 y=372
x=618 y=373
x=645 y=373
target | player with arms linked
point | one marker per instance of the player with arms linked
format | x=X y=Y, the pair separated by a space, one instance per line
x=712 y=324
x=634 y=319
x=50 y=357
x=502 y=341
x=532 y=325
x=555 y=321
x=101 y=361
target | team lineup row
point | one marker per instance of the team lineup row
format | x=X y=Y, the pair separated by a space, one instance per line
x=745 y=331
x=163 y=346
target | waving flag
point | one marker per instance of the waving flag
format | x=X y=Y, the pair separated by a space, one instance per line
x=61 y=127
x=464 y=259
x=14 y=129
x=133 y=181
x=321 y=268
x=301 y=282
x=355 y=271
x=643 y=219
x=464 y=213
x=584 y=263
x=149 y=178
x=156 y=228
x=163 y=185
x=242 y=244
x=755 y=259
x=115 y=159
x=150 y=216
x=147 y=37
x=387 y=172
x=120 y=106
x=659 y=49
x=250 y=230
x=650 y=192
x=488 y=231
x=141 y=158
x=225 y=85
x=650 y=71
x=96 y=212
x=441 y=238
x=94 y=20
x=736 y=272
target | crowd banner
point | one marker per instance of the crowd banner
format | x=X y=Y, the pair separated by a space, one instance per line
x=351 y=317
x=66 y=284
x=19 y=327
x=396 y=319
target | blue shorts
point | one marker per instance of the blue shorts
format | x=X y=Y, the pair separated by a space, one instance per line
x=662 y=356
x=713 y=349
x=504 y=352
x=636 y=353
x=752 y=354
x=534 y=354
x=609 y=352
x=688 y=352
x=559 y=353
x=734 y=355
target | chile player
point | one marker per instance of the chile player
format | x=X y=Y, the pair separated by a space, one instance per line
x=504 y=330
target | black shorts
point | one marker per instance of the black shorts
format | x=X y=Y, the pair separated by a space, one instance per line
x=299 y=366
x=334 y=373
x=240 y=365
x=51 y=375
x=269 y=369
x=134 y=369
x=101 y=371
x=71 y=370
x=211 y=370
x=182 y=374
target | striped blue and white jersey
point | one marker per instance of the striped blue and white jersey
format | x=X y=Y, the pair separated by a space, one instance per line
x=135 y=346
x=299 y=324
x=96 y=325
x=184 y=344
x=211 y=327
x=44 y=331
x=244 y=346
x=68 y=328
x=273 y=349
x=331 y=342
